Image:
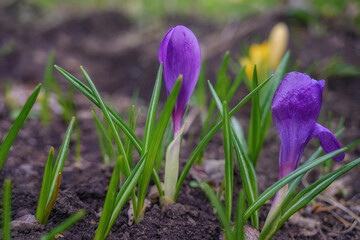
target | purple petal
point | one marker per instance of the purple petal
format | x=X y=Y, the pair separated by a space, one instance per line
x=180 y=53
x=295 y=109
x=328 y=141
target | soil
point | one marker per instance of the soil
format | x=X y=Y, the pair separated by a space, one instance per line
x=121 y=58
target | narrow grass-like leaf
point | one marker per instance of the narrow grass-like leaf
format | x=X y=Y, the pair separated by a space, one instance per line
x=238 y=129
x=269 y=192
x=128 y=145
x=309 y=193
x=248 y=176
x=109 y=203
x=150 y=123
x=219 y=210
x=52 y=198
x=64 y=225
x=60 y=160
x=151 y=117
x=10 y=137
x=255 y=121
x=220 y=86
x=125 y=191
x=239 y=233
x=208 y=136
x=89 y=94
x=105 y=143
x=235 y=85
x=199 y=95
x=125 y=167
x=45 y=111
x=156 y=142
x=229 y=161
x=165 y=142
x=45 y=187
x=119 y=145
x=278 y=75
x=247 y=171
x=222 y=80
x=6 y=211
x=269 y=95
x=77 y=137
x=117 y=120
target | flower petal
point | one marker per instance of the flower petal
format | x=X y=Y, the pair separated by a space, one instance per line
x=328 y=141
x=180 y=53
x=295 y=109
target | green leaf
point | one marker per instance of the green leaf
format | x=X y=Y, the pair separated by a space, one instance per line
x=15 y=128
x=309 y=193
x=235 y=85
x=219 y=210
x=89 y=94
x=208 y=136
x=125 y=191
x=45 y=112
x=220 y=87
x=128 y=145
x=117 y=120
x=45 y=187
x=248 y=176
x=239 y=233
x=109 y=203
x=6 y=213
x=60 y=160
x=125 y=167
x=247 y=171
x=254 y=129
x=229 y=161
x=151 y=117
x=266 y=100
x=156 y=142
x=238 y=129
x=64 y=225
x=119 y=145
x=150 y=123
x=269 y=192
x=106 y=146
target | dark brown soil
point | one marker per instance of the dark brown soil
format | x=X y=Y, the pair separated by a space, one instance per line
x=121 y=58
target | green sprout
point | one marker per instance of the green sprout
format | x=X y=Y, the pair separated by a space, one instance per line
x=6 y=213
x=15 y=128
x=52 y=177
x=62 y=227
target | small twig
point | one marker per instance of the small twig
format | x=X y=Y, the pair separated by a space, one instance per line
x=321 y=232
x=350 y=228
x=332 y=201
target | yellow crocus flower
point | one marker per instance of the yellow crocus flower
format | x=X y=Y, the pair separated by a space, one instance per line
x=267 y=55
x=259 y=56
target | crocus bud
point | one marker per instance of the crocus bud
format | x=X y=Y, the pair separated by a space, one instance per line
x=278 y=40
x=180 y=54
x=295 y=109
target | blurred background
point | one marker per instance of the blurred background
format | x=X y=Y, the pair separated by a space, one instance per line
x=118 y=41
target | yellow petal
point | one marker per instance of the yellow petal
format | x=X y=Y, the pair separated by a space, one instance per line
x=278 y=40
x=249 y=66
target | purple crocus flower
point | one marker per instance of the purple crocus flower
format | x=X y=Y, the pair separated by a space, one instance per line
x=295 y=109
x=180 y=53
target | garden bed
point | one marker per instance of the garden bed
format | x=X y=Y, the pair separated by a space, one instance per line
x=118 y=66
